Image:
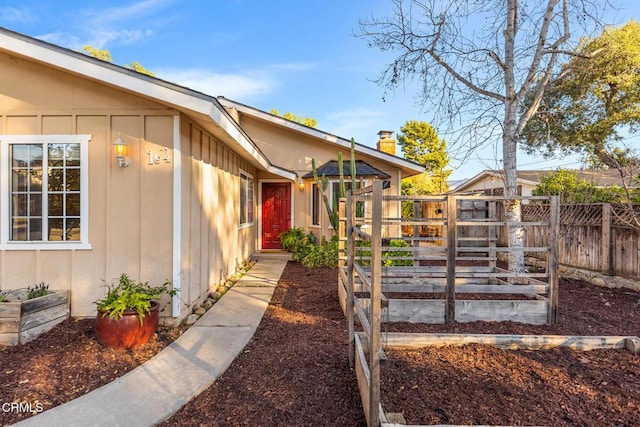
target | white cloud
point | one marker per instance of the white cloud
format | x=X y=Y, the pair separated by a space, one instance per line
x=359 y=123
x=246 y=86
x=131 y=12
x=12 y=14
x=62 y=39
x=292 y=66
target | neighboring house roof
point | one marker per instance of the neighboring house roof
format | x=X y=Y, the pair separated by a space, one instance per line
x=201 y=107
x=363 y=169
x=598 y=178
x=407 y=167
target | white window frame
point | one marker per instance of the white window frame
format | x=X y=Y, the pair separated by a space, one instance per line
x=249 y=178
x=5 y=169
x=314 y=185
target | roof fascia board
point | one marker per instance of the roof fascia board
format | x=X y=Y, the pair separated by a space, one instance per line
x=322 y=135
x=115 y=76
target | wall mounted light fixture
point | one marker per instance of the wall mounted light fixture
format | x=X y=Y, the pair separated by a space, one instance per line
x=300 y=184
x=121 y=148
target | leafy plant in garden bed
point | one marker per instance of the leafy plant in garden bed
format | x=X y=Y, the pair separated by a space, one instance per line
x=297 y=242
x=39 y=290
x=306 y=252
x=364 y=255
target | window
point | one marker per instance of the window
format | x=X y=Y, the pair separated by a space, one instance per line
x=335 y=190
x=315 y=204
x=47 y=179
x=246 y=199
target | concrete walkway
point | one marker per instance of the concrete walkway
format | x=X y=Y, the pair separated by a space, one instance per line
x=157 y=389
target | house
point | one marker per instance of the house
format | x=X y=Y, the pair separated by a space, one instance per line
x=492 y=182
x=105 y=171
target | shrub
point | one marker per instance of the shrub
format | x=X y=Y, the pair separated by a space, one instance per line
x=297 y=242
x=323 y=255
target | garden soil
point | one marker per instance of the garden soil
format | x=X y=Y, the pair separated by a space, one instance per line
x=294 y=372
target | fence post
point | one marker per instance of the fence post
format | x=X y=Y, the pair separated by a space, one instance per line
x=552 y=259
x=416 y=230
x=452 y=238
x=605 y=240
x=350 y=214
x=375 y=308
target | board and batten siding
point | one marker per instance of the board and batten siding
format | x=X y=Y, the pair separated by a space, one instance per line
x=213 y=244
x=131 y=210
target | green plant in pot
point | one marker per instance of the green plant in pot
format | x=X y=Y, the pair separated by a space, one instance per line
x=128 y=314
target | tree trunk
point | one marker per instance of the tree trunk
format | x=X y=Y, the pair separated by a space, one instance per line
x=510 y=142
x=509 y=150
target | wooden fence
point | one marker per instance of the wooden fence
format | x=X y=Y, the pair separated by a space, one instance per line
x=382 y=276
x=599 y=237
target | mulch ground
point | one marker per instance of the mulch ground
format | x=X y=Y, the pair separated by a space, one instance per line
x=295 y=370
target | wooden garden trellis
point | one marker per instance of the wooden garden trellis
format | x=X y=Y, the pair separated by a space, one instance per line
x=362 y=281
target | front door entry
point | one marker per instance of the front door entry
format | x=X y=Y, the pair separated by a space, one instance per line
x=276 y=212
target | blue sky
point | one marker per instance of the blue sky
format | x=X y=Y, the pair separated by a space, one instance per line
x=291 y=55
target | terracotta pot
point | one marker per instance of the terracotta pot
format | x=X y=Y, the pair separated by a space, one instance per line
x=126 y=332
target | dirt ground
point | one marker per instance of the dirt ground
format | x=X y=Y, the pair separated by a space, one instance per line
x=295 y=371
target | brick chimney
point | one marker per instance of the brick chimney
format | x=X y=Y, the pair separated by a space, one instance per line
x=386 y=144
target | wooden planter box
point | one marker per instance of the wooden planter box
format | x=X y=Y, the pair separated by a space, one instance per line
x=23 y=321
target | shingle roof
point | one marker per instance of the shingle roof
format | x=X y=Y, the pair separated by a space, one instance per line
x=363 y=169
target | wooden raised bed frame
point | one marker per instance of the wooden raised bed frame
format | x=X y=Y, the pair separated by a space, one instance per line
x=462 y=260
x=23 y=321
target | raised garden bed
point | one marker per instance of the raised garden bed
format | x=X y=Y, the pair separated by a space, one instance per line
x=22 y=320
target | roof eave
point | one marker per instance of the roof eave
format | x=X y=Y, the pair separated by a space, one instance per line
x=409 y=166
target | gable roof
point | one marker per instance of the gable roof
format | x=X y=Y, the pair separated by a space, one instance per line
x=407 y=167
x=363 y=169
x=598 y=178
x=203 y=108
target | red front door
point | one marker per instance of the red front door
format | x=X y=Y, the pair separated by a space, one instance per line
x=276 y=212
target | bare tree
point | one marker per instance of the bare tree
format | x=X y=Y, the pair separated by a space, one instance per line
x=476 y=61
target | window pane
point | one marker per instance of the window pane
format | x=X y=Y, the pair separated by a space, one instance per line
x=19 y=180
x=35 y=182
x=56 y=204
x=20 y=156
x=35 y=204
x=19 y=229
x=35 y=154
x=35 y=229
x=72 y=230
x=315 y=205
x=56 y=154
x=56 y=179
x=243 y=199
x=19 y=205
x=73 y=205
x=72 y=155
x=72 y=179
x=55 y=229
x=249 y=200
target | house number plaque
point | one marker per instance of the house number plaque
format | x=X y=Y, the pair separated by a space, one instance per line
x=159 y=156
